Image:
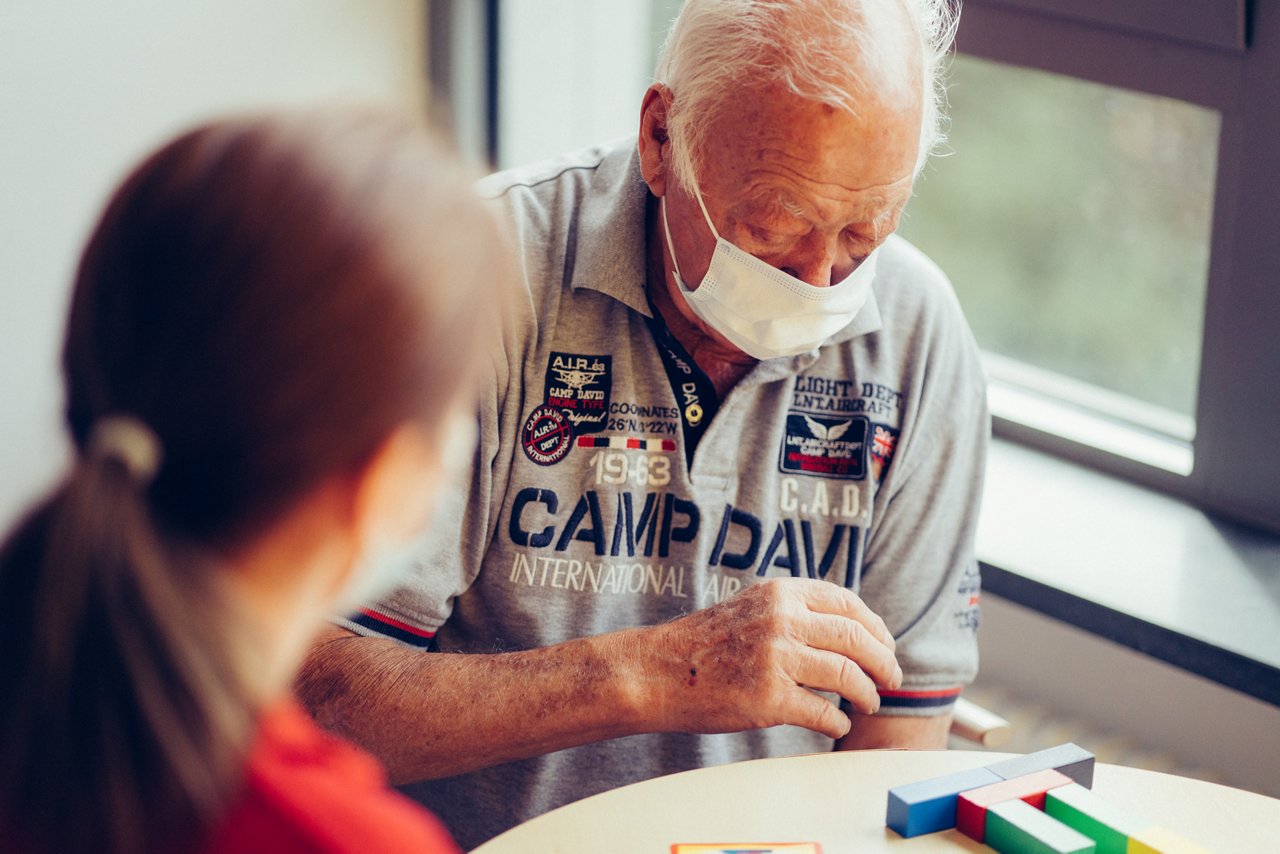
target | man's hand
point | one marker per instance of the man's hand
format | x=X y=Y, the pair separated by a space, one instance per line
x=756 y=660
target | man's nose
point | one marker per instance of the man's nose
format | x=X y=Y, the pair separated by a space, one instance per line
x=819 y=262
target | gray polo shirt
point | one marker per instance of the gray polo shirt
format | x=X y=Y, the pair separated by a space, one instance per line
x=860 y=464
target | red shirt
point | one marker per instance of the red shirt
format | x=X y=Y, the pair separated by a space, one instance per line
x=308 y=791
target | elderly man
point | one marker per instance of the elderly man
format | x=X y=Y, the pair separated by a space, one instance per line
x=731 y=455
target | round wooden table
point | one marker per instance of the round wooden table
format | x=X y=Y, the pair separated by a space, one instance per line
x=838 y=801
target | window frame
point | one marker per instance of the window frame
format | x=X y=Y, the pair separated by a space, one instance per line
x=1223 y=55
x=462 y=70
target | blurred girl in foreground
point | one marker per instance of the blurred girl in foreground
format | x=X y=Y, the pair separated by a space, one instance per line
x=268 y=363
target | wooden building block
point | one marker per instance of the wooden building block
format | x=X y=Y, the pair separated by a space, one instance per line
x=927 y=806
x=1095 y=817
x=1016 y=827
x=1157 y=840
x=971 y=807
x=1076 y=762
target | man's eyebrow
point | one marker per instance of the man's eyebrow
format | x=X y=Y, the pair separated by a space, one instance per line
x=773 y=199
x=890 y=210
x=792 y=207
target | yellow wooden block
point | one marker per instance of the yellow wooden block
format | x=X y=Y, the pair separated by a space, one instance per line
x=1157 y=840
x=746 y=848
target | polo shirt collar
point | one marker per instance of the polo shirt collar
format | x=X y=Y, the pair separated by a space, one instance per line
x=609 y=255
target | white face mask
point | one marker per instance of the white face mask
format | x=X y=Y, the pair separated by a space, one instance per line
x=387 y=562
x=763 y=311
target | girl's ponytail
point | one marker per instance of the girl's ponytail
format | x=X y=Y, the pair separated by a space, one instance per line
x=126 y=725
x=270 y=296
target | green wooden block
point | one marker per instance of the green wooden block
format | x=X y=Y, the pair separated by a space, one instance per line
x=1094 y=816
x=1016 y=827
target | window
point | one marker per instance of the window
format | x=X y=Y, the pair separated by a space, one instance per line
x=1149 y=349
x=524 y=80
x=1109 y=216
x=1074 y=221
x=591 y=92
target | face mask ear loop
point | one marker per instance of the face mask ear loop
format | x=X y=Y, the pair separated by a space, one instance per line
x=671 y=246
x=697 y=194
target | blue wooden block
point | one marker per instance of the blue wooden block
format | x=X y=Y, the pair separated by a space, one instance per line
x=930 y=805
x=1069 y=759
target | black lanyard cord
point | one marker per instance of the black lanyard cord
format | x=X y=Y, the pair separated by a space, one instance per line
x=694 y=392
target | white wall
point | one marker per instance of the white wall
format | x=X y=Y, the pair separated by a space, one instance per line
x=572 y=74
x=86 y=88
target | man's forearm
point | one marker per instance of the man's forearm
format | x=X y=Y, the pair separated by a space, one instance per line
x=881 y=731
x=432 y=715
x=756 y=660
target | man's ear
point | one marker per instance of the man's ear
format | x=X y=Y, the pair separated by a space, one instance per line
x=655 y=147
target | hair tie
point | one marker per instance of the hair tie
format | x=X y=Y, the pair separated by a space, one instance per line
x=129 y=440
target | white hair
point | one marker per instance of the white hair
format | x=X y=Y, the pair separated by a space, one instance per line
x=817 y=48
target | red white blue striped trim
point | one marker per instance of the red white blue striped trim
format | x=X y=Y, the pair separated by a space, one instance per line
x=394 y=629
x=935 y=698
x=624 y=443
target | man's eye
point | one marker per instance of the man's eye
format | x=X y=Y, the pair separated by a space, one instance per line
x=768 y=237
x=858 y=245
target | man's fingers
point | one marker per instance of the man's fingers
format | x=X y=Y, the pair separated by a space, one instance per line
x=762 y=656
x=826 y=598
x=853 y=640
x=829 y=671
x=811 y=711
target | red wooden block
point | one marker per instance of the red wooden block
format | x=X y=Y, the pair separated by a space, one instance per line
x=971 y=808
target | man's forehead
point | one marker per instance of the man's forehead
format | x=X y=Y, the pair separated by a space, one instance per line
x=770 y=198
x=772 y=129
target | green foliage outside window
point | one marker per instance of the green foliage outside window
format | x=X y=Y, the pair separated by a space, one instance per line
x=1074 y=220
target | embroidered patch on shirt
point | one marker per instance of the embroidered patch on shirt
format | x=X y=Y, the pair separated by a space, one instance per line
x=884 y=441
x=547 y=435
x=969 y=594
x=825 y=446
x=580 y=385
x=628 y=443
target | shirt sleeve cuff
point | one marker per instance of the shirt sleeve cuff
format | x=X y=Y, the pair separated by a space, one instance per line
x=919 y=702
x=370 y=622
